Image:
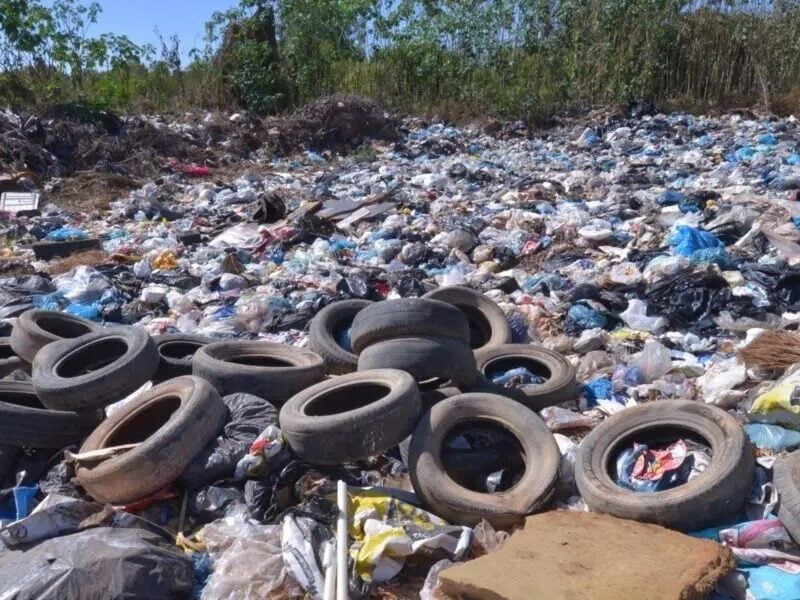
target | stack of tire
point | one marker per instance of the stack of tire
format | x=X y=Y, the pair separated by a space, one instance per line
x=414 y=360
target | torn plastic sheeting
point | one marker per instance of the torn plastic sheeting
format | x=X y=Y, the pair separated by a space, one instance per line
x=386 y=531
x=761 y=542
x=643 y=469
x=97 y=563
x=304 y=535
x=242 y=235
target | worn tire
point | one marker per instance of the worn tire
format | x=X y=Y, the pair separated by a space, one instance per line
x=786 y=479
x=35 y=329
x=407 y=317
x=171 y=423
x=487 y=323
x=351 y=417
x=25 y=422
x=425 y=359
x=559 y=387
x=321 y=335
x=9 y=361
x=457 y=504
x=64 y=379
x=172 y=350
x=718 y=493
x=273 y=372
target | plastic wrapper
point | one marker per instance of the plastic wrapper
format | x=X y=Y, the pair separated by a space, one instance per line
x=643 y=469
x=248 y=562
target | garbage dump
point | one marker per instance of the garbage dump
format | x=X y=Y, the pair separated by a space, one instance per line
x=411 y=371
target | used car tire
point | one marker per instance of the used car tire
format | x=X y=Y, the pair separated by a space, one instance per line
x=560 y=385
x=9 y=361
x=711 y=497
x=274 y=372
x=94 y=370
x=460 y=505
x=488 y=325
x=322 y=335
x=173 y=350
x=426 y=359
x=25 y=422
x=35 y=329
x=172 y=424
x=786 y=479
x=407 y=317
x=351 y=417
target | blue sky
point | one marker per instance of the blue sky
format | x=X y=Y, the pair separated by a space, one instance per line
x=138 y=18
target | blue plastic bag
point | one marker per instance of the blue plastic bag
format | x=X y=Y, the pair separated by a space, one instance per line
x=772 y=437
x=598 y=389
x=519 y=375
x=582 y=317
x=688 y=240
x=64 y=234
x=86 y=311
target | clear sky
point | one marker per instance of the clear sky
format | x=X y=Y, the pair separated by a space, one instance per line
x=139 y=18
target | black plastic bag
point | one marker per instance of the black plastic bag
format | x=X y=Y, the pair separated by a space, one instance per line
x=249 y=416
x=103 y=563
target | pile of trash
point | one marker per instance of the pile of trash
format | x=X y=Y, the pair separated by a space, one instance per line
x=74 y=138
x=344 y=376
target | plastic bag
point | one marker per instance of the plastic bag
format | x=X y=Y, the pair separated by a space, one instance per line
x=65 y=234
x=717 y=383
x=643 y=469
x=772 y=437
x=249 y=416
x=97 y=563
x=777 y=405
x=387 y=530
x=248 y=562
x=82 y=285
x=635 y=317
x=654 y=362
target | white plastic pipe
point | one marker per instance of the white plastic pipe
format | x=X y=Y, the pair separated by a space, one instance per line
x=341 y=542
x=329 y=562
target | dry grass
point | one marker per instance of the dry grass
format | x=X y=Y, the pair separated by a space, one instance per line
x=90 y=258
x=92 y=191
x=772 y=350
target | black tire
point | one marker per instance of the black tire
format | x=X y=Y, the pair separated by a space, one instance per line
x=786 y=476
x=321 y=335
x=460 y=505
x=35 y=329
x=560 y=385
x=173 y=350
x=273 y=372
x=711 y=497
x=351 y=417
x=172 y=424
x=25 y=422
x=424 y=358
x=94 y=370
x=407 y=317
x=487 y=323
x=9 y=361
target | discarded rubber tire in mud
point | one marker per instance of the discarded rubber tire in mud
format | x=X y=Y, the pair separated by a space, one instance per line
x=710 y=497
x=560 y=384
x=9 y=361
x=273 y=372
x=786 y=479
x=176 y=353
x=94 y=370
x=25 y=422
x=458 y=504
x=35 y=329
x=426 y=359
x=351 y=417
x=488 y=325
x=407 y=317
x=322 y=334
x=171 y=424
